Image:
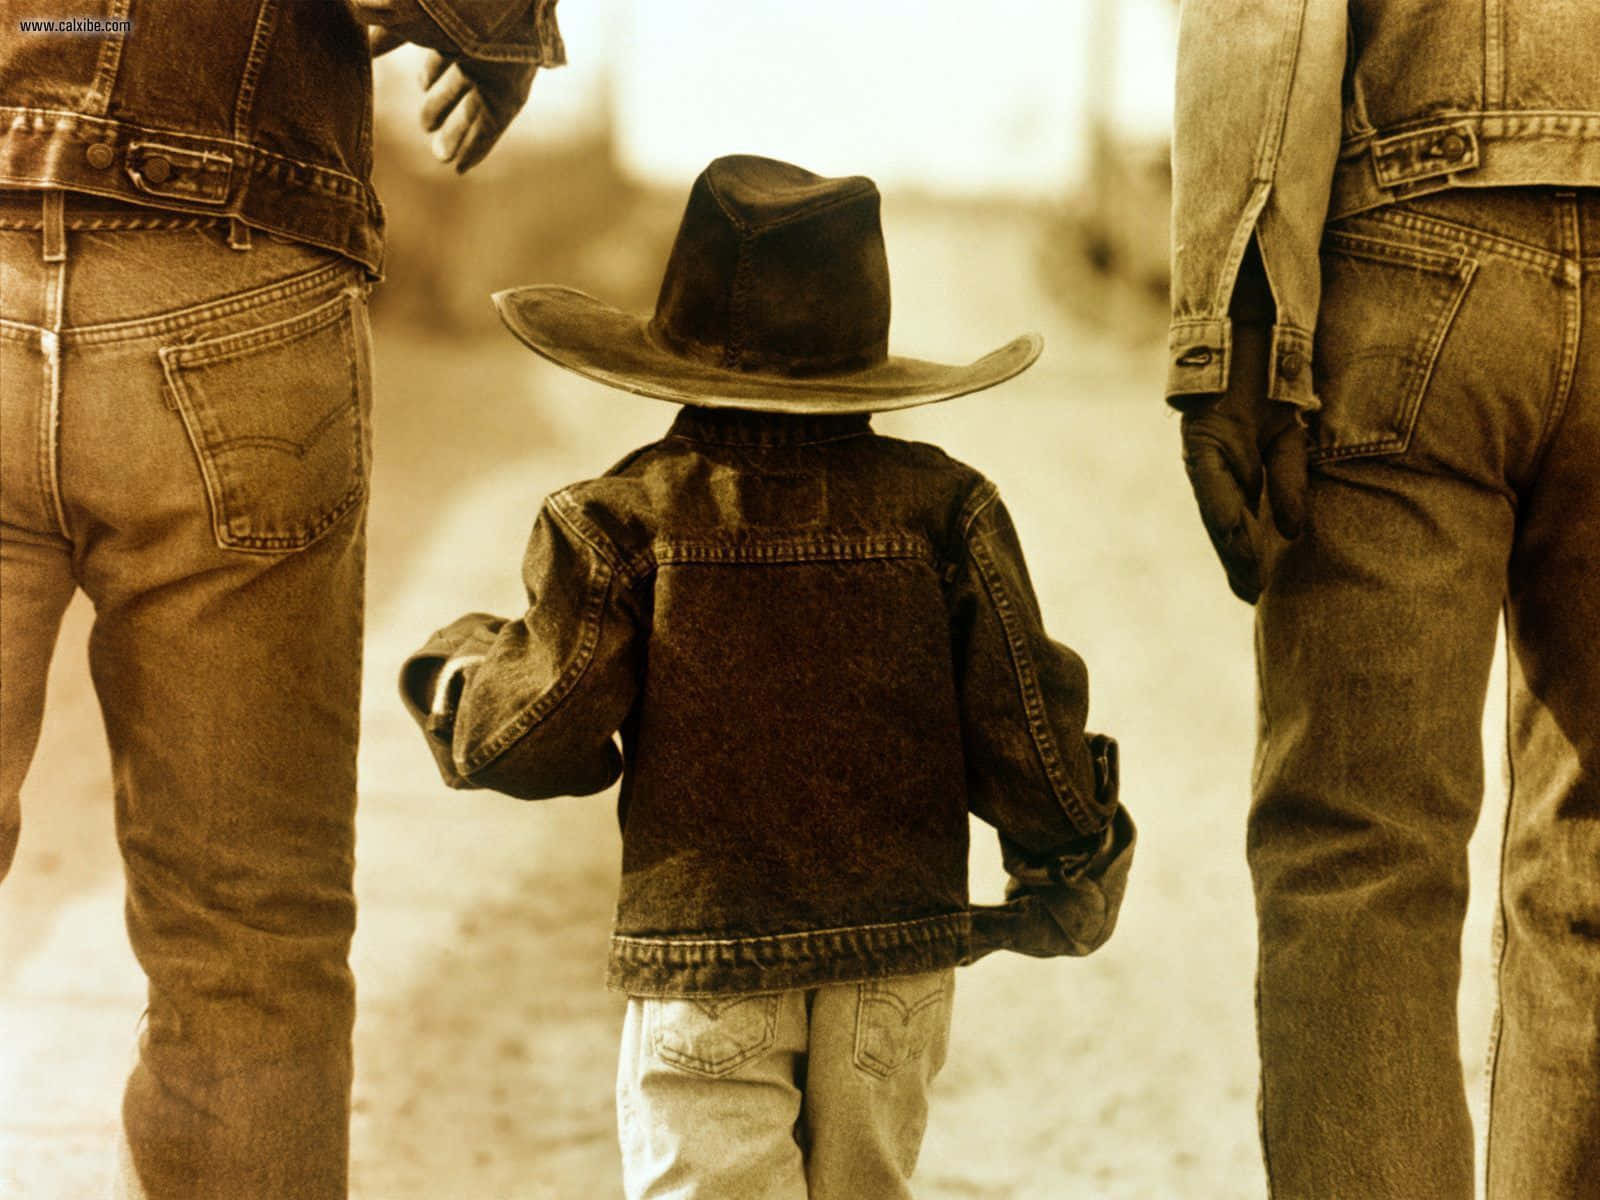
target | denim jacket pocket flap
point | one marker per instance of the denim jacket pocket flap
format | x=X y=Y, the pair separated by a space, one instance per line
x=1386 y=309
x=280 y=463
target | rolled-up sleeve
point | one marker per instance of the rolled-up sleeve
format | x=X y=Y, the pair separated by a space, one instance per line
x=486 y=30
x=1255 y=139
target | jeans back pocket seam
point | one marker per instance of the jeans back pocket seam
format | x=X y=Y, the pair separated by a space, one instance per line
x=877 y=992
x=210 y=441
x=715 y=1067
x=1455 y=266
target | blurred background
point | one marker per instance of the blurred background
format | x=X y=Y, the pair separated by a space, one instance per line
x=1021 y=150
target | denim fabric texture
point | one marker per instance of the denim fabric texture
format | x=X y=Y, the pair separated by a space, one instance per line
x=186 y=440
x=278 y=134
x=502 y=31
x=822 y=649
x=1456 y=477
x=1296 y=110
x=821 y=1093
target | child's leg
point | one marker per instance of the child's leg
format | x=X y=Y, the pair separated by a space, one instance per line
x=708 y=1097
x=874 y=1049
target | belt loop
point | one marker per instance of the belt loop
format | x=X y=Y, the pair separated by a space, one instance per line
x=55 y=226
x=238 y=234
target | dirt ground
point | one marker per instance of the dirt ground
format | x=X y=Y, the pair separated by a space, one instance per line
x=485 y=1042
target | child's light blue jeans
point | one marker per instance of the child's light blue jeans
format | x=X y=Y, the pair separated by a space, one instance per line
x=818 y=1093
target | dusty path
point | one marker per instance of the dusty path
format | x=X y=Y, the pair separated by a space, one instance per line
x=485 y=1045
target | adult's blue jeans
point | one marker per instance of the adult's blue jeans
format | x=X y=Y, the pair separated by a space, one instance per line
x=185 y=428
x=1456 y=476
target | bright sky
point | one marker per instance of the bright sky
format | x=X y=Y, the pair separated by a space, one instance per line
x=947 y=95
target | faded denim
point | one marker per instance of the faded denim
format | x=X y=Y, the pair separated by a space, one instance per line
x=819 y=1094
x=278 y=134
x=186 y=440
x=822 y=648
x=1291 y=111
x=1456 y=475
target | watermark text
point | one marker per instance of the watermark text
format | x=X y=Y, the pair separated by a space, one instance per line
x=77 y=25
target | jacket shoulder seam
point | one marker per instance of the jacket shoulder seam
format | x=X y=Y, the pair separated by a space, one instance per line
x=564 y=508
x=979 y=499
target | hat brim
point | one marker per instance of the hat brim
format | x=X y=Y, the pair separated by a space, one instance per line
x=575 y=330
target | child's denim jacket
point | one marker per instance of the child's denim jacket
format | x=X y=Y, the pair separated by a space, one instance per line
x=822 y=649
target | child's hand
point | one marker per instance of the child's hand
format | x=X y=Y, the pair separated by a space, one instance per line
x=448 y=683
x=432 y=679
x=1065 y=907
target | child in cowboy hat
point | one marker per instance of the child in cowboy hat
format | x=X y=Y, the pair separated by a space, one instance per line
x=822 y=651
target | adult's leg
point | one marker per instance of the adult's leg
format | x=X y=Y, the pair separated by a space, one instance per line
x=35 y=559
x=1544 y=1131
x=214 y=463
x=1439 y=355
x=236 y=820
x=1374 y=660
x=36 y=584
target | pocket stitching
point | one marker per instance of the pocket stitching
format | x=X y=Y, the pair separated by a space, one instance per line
x=1366 y=245
x=715 y=1069
x=871 y=992
x=1458 y=267
x=336 y=312
x=207 y=351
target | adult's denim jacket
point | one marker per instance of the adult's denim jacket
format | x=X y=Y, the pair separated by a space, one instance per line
x=1293 y=113
x=259 y=110
x=822 y=649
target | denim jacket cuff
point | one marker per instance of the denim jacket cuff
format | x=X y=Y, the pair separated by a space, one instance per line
x=1197 y=357
x=1200 y=354
x=1289 y=371
x=483 y=31
x=431 y=681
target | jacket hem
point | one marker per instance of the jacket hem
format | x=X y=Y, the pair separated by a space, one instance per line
x=203 y=175
x=1510 y=149
x=708 y=966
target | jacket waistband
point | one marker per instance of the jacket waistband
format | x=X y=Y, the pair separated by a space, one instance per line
x=193 y=174
x=704 y=966
x=1509 y=149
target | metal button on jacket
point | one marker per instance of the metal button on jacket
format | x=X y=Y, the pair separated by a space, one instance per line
x=156 y=169
x=100 y=155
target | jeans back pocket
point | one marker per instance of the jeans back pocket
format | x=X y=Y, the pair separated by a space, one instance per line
x=901 y=1020
x=714 y=1036
x=1386 y=308
x=277 y=418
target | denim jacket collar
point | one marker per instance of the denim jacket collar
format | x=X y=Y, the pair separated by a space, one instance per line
x=741 y=427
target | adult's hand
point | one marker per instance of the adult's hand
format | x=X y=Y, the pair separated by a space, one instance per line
x=467 y=104
x=1240 y=443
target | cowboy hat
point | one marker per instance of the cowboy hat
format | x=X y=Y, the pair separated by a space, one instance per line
x=775 y=298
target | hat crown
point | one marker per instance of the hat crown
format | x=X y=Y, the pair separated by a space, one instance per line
x=776 y=270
